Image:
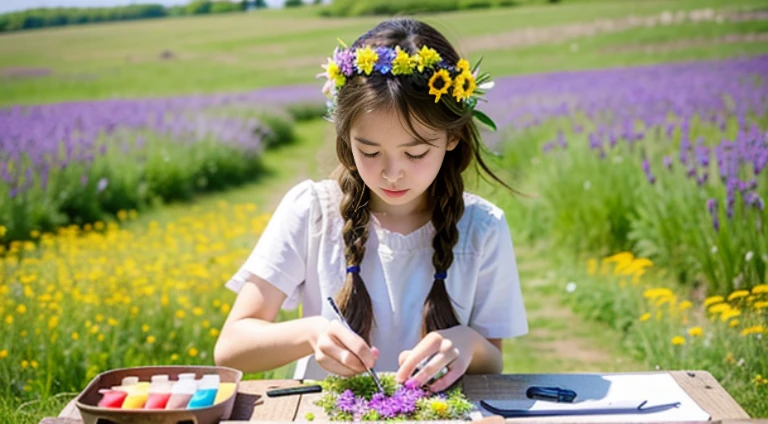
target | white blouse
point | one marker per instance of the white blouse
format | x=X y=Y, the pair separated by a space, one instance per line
x=301 y=252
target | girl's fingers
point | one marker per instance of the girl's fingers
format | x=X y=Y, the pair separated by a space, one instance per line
x=330 y=347
x=354 y=343
x=332 y=365
x=429 y=345
x=433 y=367
x=402 y=357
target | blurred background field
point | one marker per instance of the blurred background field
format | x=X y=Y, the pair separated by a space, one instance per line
x=141 y=159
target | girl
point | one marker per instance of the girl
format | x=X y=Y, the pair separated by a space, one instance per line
x=420 y=269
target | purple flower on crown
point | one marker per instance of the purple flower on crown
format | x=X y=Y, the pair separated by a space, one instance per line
x=346 y=61
x=386 y=56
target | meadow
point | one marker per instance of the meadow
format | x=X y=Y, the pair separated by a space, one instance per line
x=650 y=180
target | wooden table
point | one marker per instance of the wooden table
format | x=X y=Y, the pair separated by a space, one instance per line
x=253 y=405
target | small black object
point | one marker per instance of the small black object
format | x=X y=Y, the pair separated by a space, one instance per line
x=552 y=394
x=300 y=390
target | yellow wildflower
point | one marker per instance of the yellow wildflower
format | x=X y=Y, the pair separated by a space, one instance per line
x=695 y=331
x=733 y=323
x=759 y=380
x=712 y=300
x=442 y=85
x=684 y=305
x=206 y=323
x=738 y=294
x=100 y=337
x=657 y=292
x=192 y=352
x=9 y=319
x=3 y=354
x=731 y=313
x=755 y=329
x=3 y=231
x=122 y=215
x=620 y=257
x=365 y=58
x=720 y=307
x=403 y=63
x=24 y=364
x=678 y=340
x=75 y=335
x=197 y=311
x=214 y=332
x=34 y=364
x=175 y=357
x=464 y=86
x=21 y=309
x=144 y=328
x=645 y=317
x=180 y=314
x=760 y=305
x=151 y=339
x=729 y=359
x=427 y=58
x=760 y=288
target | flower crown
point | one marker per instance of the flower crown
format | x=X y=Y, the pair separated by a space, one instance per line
x=425 y=68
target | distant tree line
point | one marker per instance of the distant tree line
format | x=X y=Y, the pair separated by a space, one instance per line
x=48 y=17
x=394 y=7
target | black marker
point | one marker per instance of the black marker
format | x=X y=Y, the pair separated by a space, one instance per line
x=300 y=390
x=552 y=394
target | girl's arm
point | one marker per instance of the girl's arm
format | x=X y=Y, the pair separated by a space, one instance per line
x=252 y=342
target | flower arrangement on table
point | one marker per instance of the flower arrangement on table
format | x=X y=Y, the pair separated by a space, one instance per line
x=358 y=399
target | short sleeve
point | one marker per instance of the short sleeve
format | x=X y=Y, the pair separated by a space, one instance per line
x=498 y=311
x=280 y=255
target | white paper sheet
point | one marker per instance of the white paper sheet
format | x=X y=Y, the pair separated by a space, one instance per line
x=602 y=389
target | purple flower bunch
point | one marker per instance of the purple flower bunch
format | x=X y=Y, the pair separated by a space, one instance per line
x=402 y=402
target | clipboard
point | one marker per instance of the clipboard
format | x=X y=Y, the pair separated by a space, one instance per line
x=538 y=408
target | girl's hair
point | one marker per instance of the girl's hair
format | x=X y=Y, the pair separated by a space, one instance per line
x=378 y=92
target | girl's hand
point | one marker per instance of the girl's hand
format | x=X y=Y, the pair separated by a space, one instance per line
x=451 y=348
x=341 y=351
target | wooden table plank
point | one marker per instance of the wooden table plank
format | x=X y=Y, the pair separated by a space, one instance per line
x=709 y=395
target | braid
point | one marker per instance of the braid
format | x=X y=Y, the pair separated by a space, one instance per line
x=447 y=193
x=353 y=299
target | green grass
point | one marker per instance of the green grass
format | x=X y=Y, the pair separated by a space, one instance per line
x=246 y=51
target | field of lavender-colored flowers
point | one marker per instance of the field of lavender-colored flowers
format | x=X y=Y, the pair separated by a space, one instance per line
x=78 y=162
x=667 y=160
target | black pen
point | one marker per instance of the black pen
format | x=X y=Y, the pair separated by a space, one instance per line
x=552 y=394
x=346 y=324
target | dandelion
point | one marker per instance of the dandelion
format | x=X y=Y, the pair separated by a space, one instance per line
x=678 y=340
x=755 y=329
x=151 y=339
x=75 y=336
x=713 y=300
x=733 y=323
x=720 y=307
x=760 y=288
x=3 y=354
x=731 y=313
x=174 y=357
x=197 y=311
x=760 y=305
x=759 y=380
x=645 y=317
x=192 y=352
x=214 y=332
x=21 y=309
x=684 y=305
x=180 y=314
x=144 y=328
x=738 y=294
x=657 y=293
x=24 y=364
x=592 y=266
x=695 y=331
x=9 y=319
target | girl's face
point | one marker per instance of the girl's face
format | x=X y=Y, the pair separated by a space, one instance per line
x=395 y=166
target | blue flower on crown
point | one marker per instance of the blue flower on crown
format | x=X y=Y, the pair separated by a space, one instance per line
x=386 y=56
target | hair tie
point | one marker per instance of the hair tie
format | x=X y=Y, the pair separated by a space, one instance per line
x=353 y=268
x=441 y=276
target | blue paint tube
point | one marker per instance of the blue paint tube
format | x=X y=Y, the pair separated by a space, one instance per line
x=206 y=392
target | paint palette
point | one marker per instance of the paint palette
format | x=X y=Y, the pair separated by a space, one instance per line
x=120 y=396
